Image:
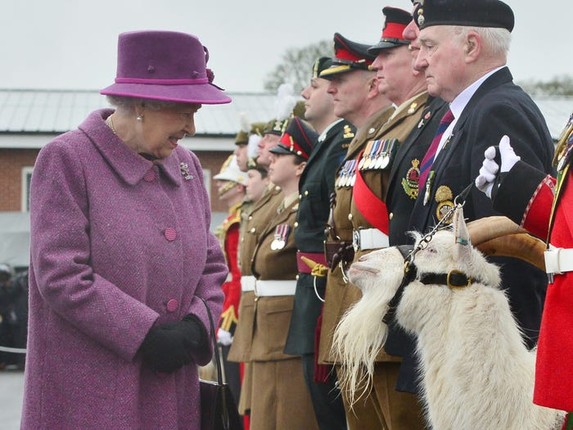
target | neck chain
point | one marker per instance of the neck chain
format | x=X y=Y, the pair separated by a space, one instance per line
x=109 y=122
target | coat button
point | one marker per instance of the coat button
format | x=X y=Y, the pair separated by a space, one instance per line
x=391 y=215
x=172 y=305
x=170 y=234
x=149 y=176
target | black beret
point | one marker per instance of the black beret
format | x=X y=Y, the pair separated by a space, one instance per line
x=298 y=139
x=468 y=13
x=394 y=25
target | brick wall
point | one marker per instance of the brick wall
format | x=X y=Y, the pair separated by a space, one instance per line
x=12 y=161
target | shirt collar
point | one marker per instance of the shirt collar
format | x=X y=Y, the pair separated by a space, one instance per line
x=458 y=105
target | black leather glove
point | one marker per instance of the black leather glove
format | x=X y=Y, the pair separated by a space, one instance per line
x=168 y=347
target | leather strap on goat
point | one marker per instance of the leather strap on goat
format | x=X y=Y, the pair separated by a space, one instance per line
x=410 y=273
x=453 y=279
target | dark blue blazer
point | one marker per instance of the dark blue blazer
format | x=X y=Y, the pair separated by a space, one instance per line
x=499 y=107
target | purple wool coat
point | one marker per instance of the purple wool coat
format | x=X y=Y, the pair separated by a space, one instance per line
x=118 y=244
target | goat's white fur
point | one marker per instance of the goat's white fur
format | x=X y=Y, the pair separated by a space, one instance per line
x=476 y=372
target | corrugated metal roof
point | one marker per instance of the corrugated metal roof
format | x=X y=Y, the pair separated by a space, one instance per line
x=57 y=111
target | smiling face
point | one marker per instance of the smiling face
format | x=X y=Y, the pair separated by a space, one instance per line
x=159 y=131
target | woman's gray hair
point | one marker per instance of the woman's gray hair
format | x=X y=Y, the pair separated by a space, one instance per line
x=496 y=41
x=129 y=103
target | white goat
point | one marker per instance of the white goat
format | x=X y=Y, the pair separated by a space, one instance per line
x=476 y=372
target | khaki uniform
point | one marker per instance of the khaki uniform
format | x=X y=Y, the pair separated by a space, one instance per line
x=277 y=378
x=252 y=224
x=384 y=406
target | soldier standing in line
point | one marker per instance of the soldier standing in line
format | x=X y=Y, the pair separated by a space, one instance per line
x=357 y=99
x=231 y=184
x=252 y=224
x=315 y=187
x=406 y=88
x=281 y=400
x=542 y=204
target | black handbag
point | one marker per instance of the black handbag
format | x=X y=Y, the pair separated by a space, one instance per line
x=218 y=408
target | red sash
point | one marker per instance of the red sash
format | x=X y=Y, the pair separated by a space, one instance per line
x=369 y=204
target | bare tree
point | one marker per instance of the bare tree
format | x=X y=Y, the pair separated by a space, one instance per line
x=296 y=65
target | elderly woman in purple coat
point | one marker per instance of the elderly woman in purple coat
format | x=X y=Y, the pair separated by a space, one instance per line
x=121 y=252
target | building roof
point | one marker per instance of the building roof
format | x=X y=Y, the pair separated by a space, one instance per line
x=57 y=111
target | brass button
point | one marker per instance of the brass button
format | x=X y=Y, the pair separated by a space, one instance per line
x=391 y=215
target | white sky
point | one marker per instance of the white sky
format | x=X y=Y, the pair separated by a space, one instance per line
x=71 y=44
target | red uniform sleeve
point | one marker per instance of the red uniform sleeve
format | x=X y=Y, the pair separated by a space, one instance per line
x=232 y=287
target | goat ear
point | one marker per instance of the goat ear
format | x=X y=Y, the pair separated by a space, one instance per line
x=462 y=247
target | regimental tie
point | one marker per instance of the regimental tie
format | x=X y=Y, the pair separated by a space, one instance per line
x=428 y=159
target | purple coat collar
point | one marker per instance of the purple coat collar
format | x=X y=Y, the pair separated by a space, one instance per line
x=128 y=165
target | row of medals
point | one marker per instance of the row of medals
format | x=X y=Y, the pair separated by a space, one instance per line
x=377 y=156
x=280 y=237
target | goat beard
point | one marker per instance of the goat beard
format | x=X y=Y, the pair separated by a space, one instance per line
x=359 y=338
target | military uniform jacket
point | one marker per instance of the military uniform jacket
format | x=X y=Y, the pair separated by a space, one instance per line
x=497 y=108
x=262 y=211
x=405 y=170
x=529 y=197
x=315 y=186
x=272 y=314
x=229 y=238
x=396 y=130
x=339 y=295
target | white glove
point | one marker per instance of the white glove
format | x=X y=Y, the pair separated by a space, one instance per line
x=224 y=337
x=508 y=157
x=490 y=169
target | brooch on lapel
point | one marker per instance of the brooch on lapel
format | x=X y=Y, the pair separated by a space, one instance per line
x=425 y=119
x=184 y=167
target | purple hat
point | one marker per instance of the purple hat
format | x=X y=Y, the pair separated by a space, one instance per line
x=164 y=65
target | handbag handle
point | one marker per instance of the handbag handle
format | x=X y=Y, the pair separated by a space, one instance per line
x=220 y=378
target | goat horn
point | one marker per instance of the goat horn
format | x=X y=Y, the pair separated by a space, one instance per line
x=518 y=245
x=499 y=236
x=484 y=229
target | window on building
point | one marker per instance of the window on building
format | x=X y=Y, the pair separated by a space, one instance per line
x=26 y=178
